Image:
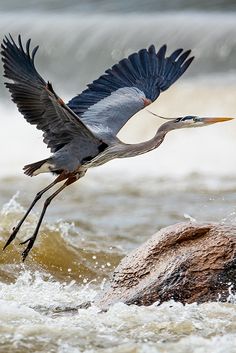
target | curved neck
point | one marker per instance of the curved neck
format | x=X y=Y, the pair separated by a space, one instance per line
x=131 y=150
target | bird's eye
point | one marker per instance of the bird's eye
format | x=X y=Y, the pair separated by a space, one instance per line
x=196 y=119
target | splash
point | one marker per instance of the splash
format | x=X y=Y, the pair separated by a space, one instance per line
x=12 y=206
x=60 y=250
x=30 y=317
x=29 y=287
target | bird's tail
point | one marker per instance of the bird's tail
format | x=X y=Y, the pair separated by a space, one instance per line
x=33 y=169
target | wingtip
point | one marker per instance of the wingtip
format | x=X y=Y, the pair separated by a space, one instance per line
x=28 y=46
x=191 y=59
x=8 y=40
x=188 y=52
x=20 y=42
x=162 y=51
x=176 y=54
x=5 y=39
x=152 y=49
x=11 y=37
x=11 y=41
x=186 y=64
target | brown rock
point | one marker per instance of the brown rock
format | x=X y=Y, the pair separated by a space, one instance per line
x=188 y=262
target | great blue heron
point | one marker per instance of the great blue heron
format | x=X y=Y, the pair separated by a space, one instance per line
x=82 y=133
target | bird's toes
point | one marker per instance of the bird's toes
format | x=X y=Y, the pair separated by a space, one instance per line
x=30 y=242
x=25 y=254
x=26 y=241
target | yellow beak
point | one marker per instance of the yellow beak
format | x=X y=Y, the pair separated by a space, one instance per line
x=216 y=119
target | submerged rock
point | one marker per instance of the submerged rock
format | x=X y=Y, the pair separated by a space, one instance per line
x=188 y=262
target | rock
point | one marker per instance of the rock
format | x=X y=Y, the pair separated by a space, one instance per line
x=188 y=262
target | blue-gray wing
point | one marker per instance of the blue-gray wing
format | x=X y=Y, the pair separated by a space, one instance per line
x=111 y=100
x=38 y=102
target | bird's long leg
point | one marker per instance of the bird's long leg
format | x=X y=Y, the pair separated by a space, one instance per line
x=31 y=240
x=16 y=229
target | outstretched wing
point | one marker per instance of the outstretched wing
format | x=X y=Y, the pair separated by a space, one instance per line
x=111 y=100
x=38 y=102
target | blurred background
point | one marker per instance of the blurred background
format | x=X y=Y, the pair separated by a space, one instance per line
x=116 y=207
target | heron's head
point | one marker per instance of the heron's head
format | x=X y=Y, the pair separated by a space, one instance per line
x=190 y=121
x=195 y=121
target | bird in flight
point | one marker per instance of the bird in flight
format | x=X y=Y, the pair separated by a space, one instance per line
x=83 y=133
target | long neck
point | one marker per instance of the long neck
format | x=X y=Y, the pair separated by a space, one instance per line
x=122 y=150
x=128 y=150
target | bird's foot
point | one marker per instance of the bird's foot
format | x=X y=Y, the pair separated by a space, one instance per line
x=25 y=241
x=15 y=230
x=30 y=242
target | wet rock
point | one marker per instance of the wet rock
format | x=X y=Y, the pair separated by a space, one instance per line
x=188 y=262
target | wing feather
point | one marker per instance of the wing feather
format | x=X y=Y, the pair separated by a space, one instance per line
x=38 y=102
x=111 y=100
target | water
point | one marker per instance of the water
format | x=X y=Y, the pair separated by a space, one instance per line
x=94 y=223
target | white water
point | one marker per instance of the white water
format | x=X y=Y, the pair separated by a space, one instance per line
x=170 y=327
